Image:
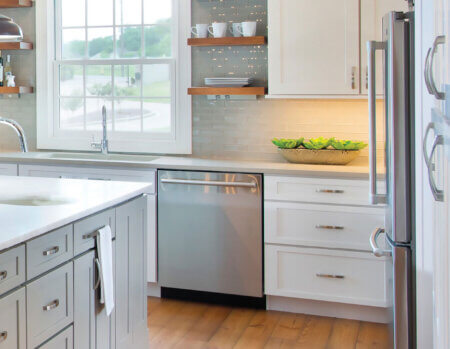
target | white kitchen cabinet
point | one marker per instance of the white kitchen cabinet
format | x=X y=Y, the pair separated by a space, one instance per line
x=313 y=47
x=106 y=173
x=326 y=275
x=372 y=13
x=8 y=170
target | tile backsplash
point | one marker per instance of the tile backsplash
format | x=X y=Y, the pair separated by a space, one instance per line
x=243 y=129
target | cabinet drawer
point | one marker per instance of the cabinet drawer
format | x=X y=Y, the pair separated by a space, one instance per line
x=12 y=268
x=316 y=190
x=326 y=275
x=64 y=340
x=82 y=230
x=321 y=225
x=49 y=305
x=13 y=321
x=49 y=251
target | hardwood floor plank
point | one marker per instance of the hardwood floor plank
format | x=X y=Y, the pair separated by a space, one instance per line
x=202 y=331
x=344 y=334
x=289 y=326
x=373 y=336
x=316 y=333
x=186 y=325
x=177 y=328
x=259 y=330
x=231 y=329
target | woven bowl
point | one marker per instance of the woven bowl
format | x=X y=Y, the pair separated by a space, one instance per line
x=319 y=157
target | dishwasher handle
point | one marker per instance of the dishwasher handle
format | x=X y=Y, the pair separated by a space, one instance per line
x=210 y=183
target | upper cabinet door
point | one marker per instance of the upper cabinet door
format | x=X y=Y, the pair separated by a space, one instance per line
x=372 y=13
x=313 y=47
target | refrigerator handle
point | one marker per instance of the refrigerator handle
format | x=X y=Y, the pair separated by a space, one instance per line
x=431 y=126
x=376 y=250
x=429 y=63
x=437 y=193
x=372 y=47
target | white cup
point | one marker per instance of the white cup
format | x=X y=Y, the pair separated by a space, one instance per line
x=218 y=30
x=236 y=30
x=248 y=28
x=200 y=30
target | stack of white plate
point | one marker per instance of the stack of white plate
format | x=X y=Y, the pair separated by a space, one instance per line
x=228 y=82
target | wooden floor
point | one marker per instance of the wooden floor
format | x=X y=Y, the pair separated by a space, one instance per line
x=179 y=324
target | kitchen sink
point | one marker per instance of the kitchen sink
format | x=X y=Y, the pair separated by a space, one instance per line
x=35 y=201
x=101 y=157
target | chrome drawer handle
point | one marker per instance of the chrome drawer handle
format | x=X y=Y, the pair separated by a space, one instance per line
x=51 y=305
x=329 y=227
x=90 y=235
x=3 y=275
x=330 y=191
x=51 y=251
x=330 y=276
x=3 y=336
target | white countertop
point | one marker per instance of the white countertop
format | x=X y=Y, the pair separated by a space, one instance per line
x=357 y=169
x=81 y=199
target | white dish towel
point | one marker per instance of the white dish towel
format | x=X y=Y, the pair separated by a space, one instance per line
x=104 y=249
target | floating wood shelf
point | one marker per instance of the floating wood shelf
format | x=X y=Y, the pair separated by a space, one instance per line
x=15 y=90
x=16 y=46
x=227 y=91
x=228 y=41
x=15 y=3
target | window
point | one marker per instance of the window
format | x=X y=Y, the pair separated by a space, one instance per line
x=128 y=55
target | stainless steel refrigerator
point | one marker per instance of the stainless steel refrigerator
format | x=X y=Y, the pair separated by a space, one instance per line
x=397 y=47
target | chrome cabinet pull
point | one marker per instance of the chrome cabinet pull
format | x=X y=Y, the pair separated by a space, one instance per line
x=330 y=276
x=330 y=191
x=97 y=283
x=429 y=64
x=51 y=305
x=329 y=227
x=372 y=47
x=376 y=250
x=51 y=251
x=353 y=78
x=437 y=193
x=3 y=336
x=3 y=275
x=210 y=183
x=90 y=235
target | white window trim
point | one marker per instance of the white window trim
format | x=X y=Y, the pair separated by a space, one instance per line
x=47 y=139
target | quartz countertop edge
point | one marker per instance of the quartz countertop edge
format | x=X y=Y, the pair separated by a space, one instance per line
x=357 y=169
x=22 y=223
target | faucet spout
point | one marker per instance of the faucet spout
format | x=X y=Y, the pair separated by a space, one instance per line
x=19 y=130
x=103 y=145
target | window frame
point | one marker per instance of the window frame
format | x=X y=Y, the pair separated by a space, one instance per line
x=50 y=137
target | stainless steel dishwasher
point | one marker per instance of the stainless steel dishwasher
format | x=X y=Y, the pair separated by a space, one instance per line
x=210 y=235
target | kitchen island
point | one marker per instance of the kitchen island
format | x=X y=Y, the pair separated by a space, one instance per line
x=49 y=294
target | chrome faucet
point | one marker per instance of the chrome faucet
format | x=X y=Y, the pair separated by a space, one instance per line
x=103 y=145
x=20 y=132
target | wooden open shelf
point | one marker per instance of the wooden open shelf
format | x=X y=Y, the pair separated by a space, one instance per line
x=15 y=90
x=16 y=45
x=15 y=3
x=227 y=91
x=228 y=41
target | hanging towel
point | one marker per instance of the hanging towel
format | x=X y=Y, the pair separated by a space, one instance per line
x=104 y=249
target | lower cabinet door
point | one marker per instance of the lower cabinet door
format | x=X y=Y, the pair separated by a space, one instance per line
x=64 y=340
x=131 y=297
x=13 y=321
x=49 y=305
x=93 y=329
